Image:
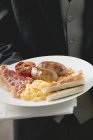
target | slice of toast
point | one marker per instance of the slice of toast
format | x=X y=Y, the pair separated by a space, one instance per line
x=64 y=93
x=74 y=80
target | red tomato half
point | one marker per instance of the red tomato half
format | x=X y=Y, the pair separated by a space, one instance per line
x=23 y=68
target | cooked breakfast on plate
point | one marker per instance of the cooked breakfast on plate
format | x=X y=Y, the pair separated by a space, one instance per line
x=47 y=80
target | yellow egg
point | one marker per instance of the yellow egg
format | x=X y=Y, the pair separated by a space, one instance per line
x=33 y=91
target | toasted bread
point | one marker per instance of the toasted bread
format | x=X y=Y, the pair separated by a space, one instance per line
x=64 y=93
x=74 y=80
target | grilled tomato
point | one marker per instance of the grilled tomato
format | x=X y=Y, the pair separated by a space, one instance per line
x=24 y=68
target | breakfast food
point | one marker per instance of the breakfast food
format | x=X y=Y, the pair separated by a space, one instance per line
x=46 y=81
x=42 y=90
x=65 y=93
x=60 y=69
x=11 y=81
x=44 y=74
x=34 y=92
x=24 y=68
x=73 y=80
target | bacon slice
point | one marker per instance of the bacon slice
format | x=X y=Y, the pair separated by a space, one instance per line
x=12 y=81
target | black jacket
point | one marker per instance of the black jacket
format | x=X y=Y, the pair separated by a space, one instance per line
x=40 y=25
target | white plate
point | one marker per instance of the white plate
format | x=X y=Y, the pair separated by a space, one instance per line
x=75 y=63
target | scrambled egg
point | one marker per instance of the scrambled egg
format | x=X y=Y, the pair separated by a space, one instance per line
x=33 y=91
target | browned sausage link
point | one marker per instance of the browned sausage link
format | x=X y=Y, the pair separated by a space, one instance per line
x=59 y=68
x=44 y=74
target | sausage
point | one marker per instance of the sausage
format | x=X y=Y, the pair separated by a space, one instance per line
x=59 y=68
x=44 y=74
